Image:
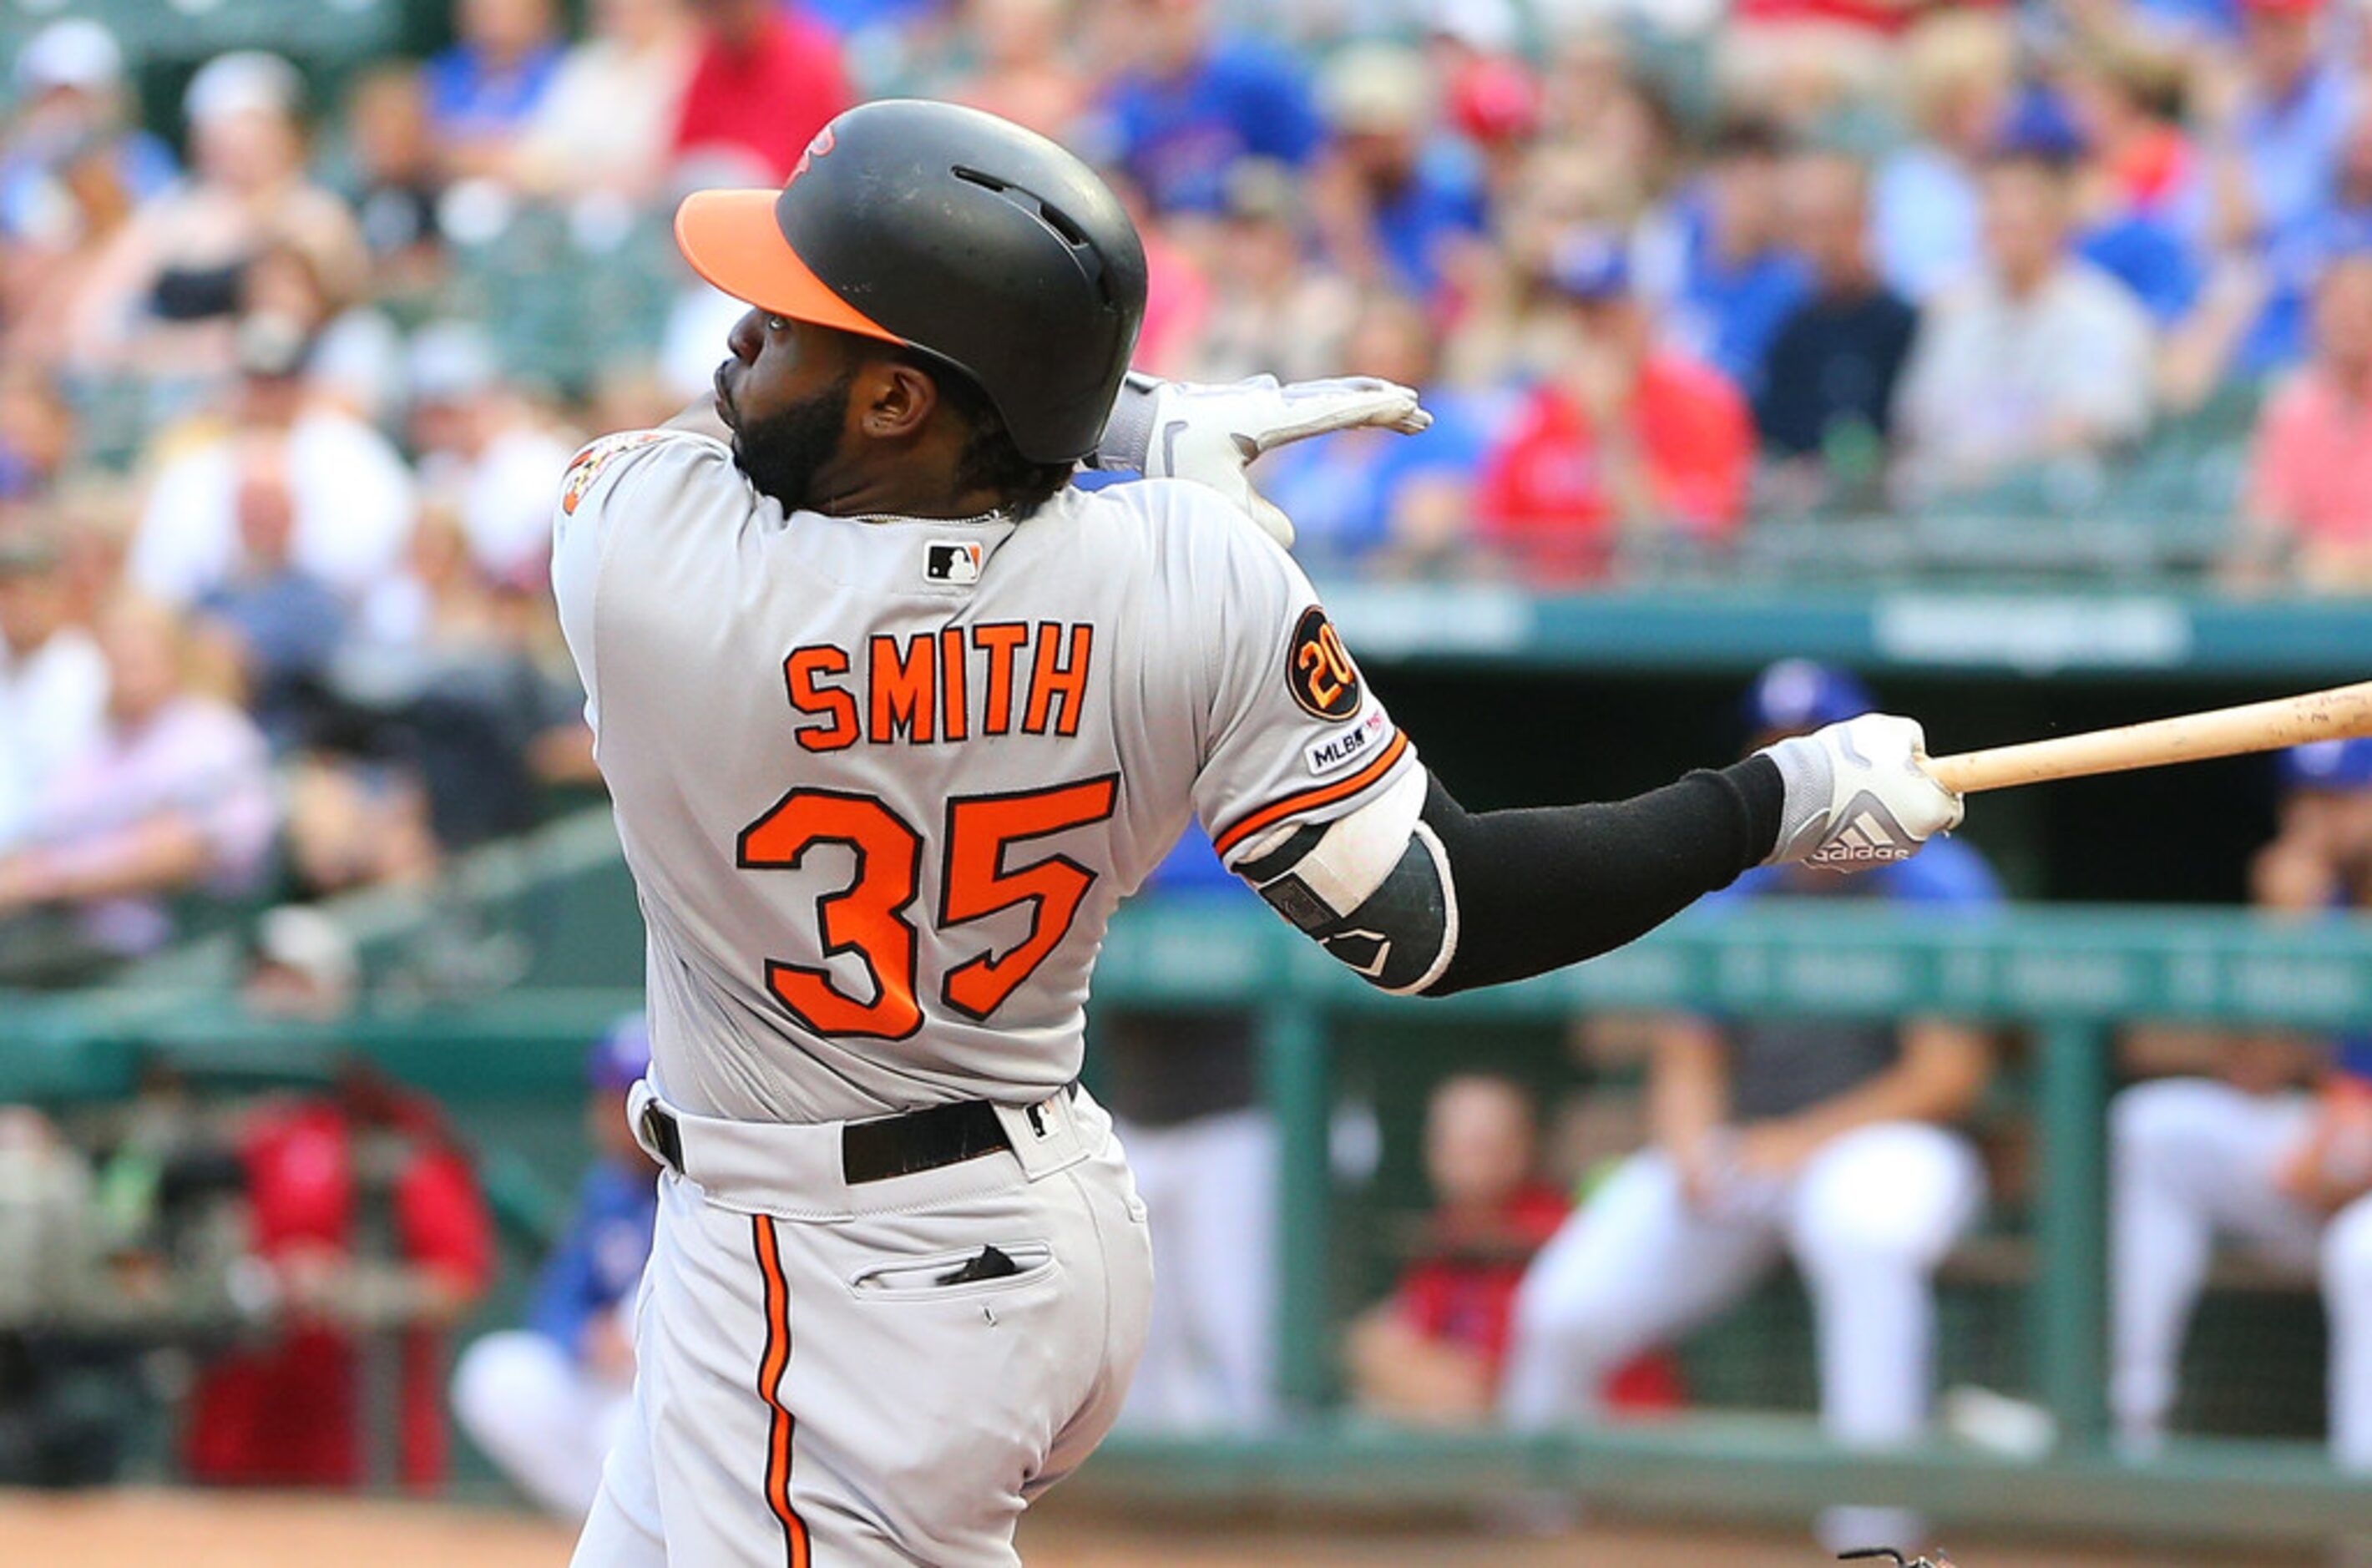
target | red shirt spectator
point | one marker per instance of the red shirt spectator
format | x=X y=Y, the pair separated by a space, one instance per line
x=290 y=1414
x=1550 y=496
x=765 y=82
x=2309 y=492
x=1463 y=1288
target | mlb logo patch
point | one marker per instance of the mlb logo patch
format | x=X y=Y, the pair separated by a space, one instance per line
x=954 y=560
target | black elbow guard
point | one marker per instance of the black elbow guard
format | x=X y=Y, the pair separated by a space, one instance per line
x=1373 y=889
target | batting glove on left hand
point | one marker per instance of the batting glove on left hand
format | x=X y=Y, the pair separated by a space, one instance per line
x=1857 y=795
x=1210 y=433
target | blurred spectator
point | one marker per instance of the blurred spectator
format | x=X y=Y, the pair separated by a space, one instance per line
x=1830 y=1140
x=1394 y=193
x=174 y=796
x=1958 y=68
x=1183 y=1089
x=73 y=165
x=607 y=122
x=2139 y=198
x=71 y=102
x=1272 y=312
x=2306 y=512
x=1734 y=280
x=1370 y=498
x=1025 y=73
x=52 y=679
x=484 y=88
x=766 y=80
x=1826 y=405
x=1625 y=441
x=368 y=1218
x=1431 y=1353
x=396 y=180
x=164 y=296
x=353 y=494
x=277 y=622
x=2273 y=117
x=2282 y=1171
x=1801 y=59
x=481 y=442
x=354 y=357
x=545 y=1401
x=1189 y=103
x=38 y=433
x=2041 y=358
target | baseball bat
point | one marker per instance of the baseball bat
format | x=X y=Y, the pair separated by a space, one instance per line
x=2343 y=712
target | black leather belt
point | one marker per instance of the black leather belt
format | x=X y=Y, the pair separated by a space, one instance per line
x=882 y=1148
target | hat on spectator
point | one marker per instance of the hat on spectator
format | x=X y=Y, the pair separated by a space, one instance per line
x=1376 y=89
x=2038 y=124
x=1495 y=100
x=2284 y=7
x=76 y=53
x=1589 y=264
x=1796 y=694
x=2332 y=765
x=242 y=81
x=306 y=942
x=622 y=1056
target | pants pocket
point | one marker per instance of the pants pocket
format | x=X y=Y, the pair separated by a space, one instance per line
x=939 y=1276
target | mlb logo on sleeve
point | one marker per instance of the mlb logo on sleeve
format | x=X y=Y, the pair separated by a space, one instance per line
x=951 y=561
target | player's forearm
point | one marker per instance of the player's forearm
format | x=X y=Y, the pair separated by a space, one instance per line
x=1538 y=890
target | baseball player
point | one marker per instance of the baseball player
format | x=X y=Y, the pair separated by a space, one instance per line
x=544 y=1400
x=894 y=716
x=1827 y=1140
x=2284 y=1171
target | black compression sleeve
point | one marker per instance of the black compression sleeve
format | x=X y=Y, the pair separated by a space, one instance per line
x=1538 y=890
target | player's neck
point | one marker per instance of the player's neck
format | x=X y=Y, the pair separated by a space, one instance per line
x=897 y=495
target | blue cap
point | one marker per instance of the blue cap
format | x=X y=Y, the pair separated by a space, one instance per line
x=622 y=1056
x=1590 y=264
x=1796 y=694
x=2333 y=765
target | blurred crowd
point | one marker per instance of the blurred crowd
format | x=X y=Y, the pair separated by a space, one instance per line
x=289 y=362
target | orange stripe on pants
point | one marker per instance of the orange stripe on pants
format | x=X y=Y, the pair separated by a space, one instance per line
x=777 y=1361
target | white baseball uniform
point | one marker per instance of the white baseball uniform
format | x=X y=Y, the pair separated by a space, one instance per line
x=2192 y=1159
x=881 y=782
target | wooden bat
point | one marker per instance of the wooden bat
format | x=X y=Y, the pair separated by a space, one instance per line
x=2343 y=712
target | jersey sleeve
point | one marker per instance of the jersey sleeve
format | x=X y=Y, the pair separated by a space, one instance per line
x=582 y=522
x=1295 y=735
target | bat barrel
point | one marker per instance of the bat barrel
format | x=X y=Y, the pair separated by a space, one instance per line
x=2341 y=712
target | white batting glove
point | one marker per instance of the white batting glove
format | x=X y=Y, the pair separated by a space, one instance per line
x=1210 y=433
x=1857 y=795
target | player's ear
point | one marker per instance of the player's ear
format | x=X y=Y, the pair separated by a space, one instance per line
x=893 y=399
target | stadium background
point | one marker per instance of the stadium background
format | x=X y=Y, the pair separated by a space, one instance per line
x=2145 y=568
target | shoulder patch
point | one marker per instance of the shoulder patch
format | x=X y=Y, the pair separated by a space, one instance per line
x=589 y=463
x=1318 y=668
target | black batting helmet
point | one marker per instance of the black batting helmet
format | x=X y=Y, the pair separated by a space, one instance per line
x=953 y=232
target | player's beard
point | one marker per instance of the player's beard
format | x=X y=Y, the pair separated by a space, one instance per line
x=782 y=452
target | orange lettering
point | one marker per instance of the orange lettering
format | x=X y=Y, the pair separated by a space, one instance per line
x=802 y=673
x=1049 y=680
x=1000 y=638
x=905 y=687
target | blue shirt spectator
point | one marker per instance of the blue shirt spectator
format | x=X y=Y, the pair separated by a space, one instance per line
x=601 y=1258
x=1178 y=134
x=488 y=83
x=1735 y=280
x=1441 y=201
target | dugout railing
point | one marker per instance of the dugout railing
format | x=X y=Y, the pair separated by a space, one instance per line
x=2066 y=978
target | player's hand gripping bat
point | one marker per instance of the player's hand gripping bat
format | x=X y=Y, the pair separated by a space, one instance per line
x=2343 y=712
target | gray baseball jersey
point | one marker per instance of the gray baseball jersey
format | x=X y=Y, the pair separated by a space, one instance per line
x=881 y=782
